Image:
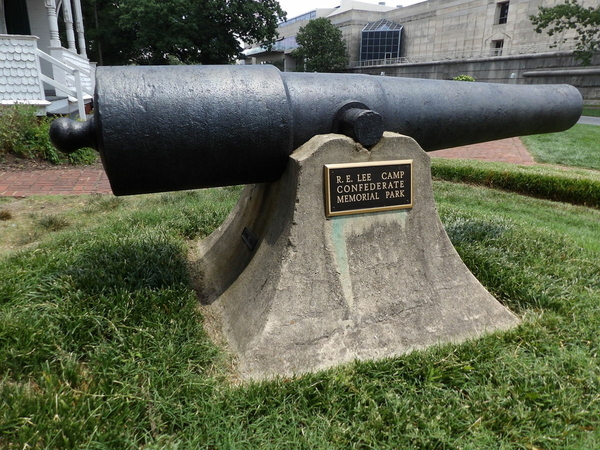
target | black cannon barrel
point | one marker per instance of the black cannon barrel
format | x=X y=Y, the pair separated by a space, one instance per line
x=183 y=127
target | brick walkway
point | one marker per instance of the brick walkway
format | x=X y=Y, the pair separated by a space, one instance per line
x=54 y=182
x=509 y=150
x=90 y=181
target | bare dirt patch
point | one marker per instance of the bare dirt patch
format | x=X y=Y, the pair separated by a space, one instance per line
x=25 y=219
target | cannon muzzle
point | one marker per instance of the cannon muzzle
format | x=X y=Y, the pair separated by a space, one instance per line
x=185 y=127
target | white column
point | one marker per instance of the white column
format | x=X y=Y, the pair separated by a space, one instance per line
x=68 y=16
x=79 y=28
x=53 y=22
x=2 y=19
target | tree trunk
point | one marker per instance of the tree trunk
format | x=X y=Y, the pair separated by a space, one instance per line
x=99 y=42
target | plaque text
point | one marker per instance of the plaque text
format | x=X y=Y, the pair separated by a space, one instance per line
x=367 y=187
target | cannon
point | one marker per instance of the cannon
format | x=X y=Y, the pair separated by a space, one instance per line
x=186 y=127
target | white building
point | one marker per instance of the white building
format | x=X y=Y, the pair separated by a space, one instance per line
x=433 y=30
x=36 y=68
x=350 y=17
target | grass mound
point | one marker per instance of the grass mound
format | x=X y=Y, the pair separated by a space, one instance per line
x=102 y=344
x=579 y=187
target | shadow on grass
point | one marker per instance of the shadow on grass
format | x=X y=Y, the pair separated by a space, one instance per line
x=128 y=264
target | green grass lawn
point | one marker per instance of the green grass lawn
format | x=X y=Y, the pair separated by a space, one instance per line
x=102 y=343
x=576 y=147
x=591 y=111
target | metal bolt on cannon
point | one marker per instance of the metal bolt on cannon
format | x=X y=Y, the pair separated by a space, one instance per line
x=184 y=127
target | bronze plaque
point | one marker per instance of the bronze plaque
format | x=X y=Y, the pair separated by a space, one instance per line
x=368 y=187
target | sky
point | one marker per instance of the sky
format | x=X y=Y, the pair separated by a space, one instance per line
x=296 y=7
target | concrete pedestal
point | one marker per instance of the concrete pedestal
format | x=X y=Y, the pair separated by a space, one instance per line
x=298 y=292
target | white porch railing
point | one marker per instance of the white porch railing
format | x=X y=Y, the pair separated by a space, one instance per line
x=77 y=91
x=22 y=80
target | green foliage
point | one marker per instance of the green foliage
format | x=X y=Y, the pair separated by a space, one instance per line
x=189 y=32
x=24 y=134
x=463 y=78
x=576 y=187
x=83 y=156
x=321 y=47
x=591 y=111
x=570 y=15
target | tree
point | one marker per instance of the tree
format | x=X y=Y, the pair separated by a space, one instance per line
x=177 y=31
x=108 y=43
x=572 y=15
x=320 y=47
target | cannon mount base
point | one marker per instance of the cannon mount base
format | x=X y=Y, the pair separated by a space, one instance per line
x=297 y=292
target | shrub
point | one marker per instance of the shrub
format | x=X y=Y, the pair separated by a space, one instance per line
x=464 y=78
x=25 y=135
x=571 y=186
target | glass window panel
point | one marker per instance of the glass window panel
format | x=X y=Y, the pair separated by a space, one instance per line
x=382 y=42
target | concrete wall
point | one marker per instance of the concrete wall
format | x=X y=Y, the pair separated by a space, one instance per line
x=468 y=28
x=544 y=68
x=437 y=30
x=445 y=38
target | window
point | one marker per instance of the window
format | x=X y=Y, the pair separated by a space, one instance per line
x=288 y=43
x=497 y=47
x=17 y=19
x=502 y=12
x=307 y=16
x=380 y=40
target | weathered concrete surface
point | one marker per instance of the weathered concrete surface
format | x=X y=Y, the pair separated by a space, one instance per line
x=316 y=293
x=539 y=68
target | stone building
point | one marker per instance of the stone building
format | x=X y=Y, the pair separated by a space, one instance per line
x=492 y=40
x=433 y=30
x=351 y=17
x=450 y=29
